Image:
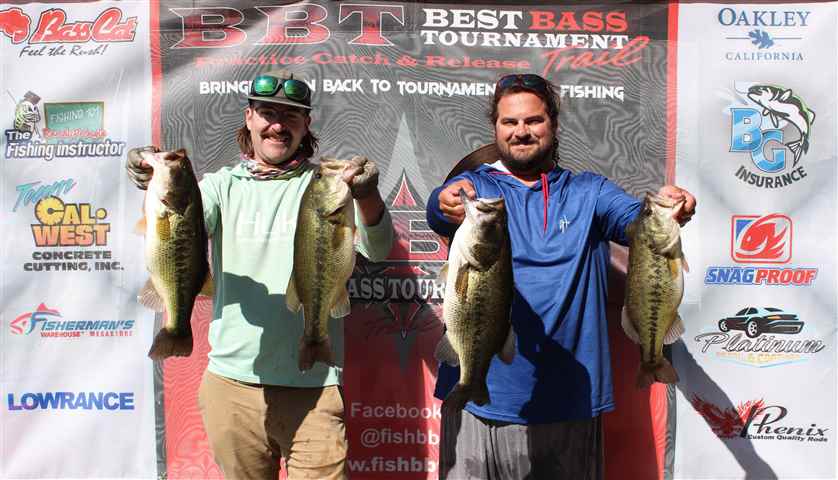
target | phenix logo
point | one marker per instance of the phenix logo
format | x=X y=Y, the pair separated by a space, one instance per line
x=725 y=423
x=755 y=130
x=52 y=27
x=24 y=324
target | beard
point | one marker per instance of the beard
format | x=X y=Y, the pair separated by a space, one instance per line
x=525 y=162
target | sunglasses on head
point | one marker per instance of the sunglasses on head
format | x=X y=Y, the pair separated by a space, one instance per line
x=528 y=80
x=268 y=85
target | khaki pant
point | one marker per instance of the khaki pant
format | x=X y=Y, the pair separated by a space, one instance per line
x=250 y=427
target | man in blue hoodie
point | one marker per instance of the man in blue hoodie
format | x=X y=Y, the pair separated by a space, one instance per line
x=543 y=421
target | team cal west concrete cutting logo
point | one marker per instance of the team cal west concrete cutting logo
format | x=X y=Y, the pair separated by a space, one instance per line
x=773 y=130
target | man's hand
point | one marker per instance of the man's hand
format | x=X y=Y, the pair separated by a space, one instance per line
x=139 y=171
x=678 y=194
x=362 y=177
x=450 y=203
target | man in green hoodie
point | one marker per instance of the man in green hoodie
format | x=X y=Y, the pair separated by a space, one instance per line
x=256 y=404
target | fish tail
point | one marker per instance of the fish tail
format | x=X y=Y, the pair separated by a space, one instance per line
x=316 y=351
x=167 y=344
x=662 y=372
x=462 y=394
x=798 y=148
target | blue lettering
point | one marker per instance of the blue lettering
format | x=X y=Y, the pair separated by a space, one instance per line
x=81 y=402
x=748 y=276
x=745 y=135
x=126 y=400
x=12 y=406
x=32 y=404
x=107 y=401
x=95 y=401
x=726 y=11
x=66 y=400
x=779 y=161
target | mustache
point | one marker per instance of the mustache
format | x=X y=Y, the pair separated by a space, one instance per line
x=285 y=137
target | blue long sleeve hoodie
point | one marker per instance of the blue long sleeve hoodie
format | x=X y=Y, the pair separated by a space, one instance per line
x=559 y=231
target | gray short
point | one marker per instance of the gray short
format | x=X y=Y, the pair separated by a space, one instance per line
x=476 y=448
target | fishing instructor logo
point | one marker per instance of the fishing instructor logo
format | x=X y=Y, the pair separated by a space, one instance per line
x=774 y=131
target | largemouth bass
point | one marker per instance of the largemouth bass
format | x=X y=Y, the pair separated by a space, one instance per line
x=654 y=287
x=478 y=295
x=175 y=249
x=324 y=257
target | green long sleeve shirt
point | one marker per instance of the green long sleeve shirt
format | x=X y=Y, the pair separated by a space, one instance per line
x=253 y=336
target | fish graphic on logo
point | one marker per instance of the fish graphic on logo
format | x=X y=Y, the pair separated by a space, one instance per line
x=781 y=104
x=24 y=324
x=766 y=239
x=15 y=24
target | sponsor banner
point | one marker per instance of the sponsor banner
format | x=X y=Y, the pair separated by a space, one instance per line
x=409 y=85
x=76 y=97
x=756 y=144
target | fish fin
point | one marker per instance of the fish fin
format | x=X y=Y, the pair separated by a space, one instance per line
x=140 y=226
x=311 y=352
x=675 y=331
x=676 y=265
x=208 y=289
x=811 y=114
x=663 y=372
x=343 y=307
x=167 y=344
x=628 y=327
x=292 y=300
x=461 y=283
x=445 y=352
x=785 y=95
x=507 y=353
x=150 y=298
x=684 y=264
x=443 y=273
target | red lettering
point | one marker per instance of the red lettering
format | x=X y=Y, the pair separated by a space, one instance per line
x=593 y=22
x=542 y=20
x=616 y=21
x=567 y=22
x=210 y=27
x=631 y=53
x=761 y=275
x=372 y=17
x=109 y=28
x=52 y=28
x=298 y=24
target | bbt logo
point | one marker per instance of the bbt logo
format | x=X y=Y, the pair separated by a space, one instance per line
x=761 y=239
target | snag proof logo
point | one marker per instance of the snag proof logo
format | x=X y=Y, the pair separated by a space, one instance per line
x=760 y=239
x=772 y=128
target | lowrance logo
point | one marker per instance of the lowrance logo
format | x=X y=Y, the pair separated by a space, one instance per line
x=71 y=401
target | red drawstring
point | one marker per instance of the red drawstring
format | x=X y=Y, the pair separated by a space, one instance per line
x=545 y=189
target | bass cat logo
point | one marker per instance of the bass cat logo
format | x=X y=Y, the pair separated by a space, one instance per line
x=53 y=27
x=776 y=120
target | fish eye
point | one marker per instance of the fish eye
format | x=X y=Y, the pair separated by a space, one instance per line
x=318 y=175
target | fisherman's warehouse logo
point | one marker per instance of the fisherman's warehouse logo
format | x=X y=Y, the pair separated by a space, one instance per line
x=79 y=227
x=763 y=35
x=773 y=129
x=54 y=34
x=65 y=130
x=49 y=323
x=759 y=337
x=757 y=420
x=756 y=241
